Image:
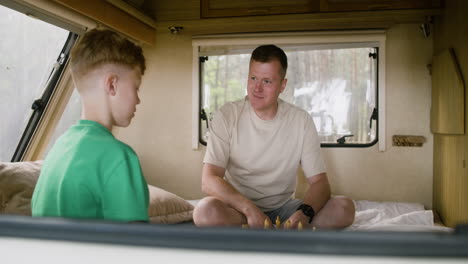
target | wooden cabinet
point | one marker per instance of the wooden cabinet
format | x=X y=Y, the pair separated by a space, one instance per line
x=230 y=8
x=363 y=5
x=463 y=189
x=450 y=179
x=450 y=141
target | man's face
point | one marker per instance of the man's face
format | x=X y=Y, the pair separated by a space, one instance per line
x=265 y=83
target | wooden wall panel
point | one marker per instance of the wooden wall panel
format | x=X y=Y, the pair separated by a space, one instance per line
x=111 y=16
x=174 y=10
x=300 y=22
x=360 y=5
x=229 y=8
x=448 y=95
x=463 y=195
x=449 y=171
x=437 y=203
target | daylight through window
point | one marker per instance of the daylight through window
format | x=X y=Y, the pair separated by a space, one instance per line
x=28 y=51
x=336 y=84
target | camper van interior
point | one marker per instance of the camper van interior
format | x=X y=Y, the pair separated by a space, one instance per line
x=384 y=81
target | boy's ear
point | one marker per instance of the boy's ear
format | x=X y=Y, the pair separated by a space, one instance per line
x=111 y=83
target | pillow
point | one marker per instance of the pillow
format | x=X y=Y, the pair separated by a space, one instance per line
x=167 y=208
x=18 y=179
x=17 y=182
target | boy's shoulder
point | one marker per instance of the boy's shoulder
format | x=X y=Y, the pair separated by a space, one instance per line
x=86 y=148
x=123 y=147
x=92 y=136
x=113 y=147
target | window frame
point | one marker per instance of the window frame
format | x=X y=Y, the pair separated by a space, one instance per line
x=59 y=72
x=297 y=38
x=39 y=105
x=377 y=103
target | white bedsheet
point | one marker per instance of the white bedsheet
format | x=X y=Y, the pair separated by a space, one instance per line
x=394 y=216
x=390 y=216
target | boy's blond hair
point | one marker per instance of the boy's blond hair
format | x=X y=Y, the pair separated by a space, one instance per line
x=99 y=47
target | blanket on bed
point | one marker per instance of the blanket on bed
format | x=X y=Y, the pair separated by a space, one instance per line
x=393 y=216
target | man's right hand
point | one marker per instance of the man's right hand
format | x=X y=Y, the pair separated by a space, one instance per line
x=214 y=185
x=256 y=218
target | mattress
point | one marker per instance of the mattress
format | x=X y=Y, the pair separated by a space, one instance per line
x=391 y=216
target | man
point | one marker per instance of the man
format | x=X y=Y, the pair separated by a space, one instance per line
x=257 y=145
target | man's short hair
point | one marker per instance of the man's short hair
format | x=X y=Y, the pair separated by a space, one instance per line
x=268 y=53
x=99 y=47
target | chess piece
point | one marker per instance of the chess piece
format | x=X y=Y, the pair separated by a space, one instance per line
x=278 y=222
x=299 y=226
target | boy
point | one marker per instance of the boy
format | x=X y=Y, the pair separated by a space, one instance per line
x=89 y=174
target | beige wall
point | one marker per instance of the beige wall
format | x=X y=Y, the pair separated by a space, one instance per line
x=399 y=173
x=161 y=130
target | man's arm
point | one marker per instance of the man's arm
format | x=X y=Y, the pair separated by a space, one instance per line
x=317 y=195
x=318 y=191
x=214 y=185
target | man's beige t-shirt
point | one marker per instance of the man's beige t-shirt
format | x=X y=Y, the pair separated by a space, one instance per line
x=261 y=157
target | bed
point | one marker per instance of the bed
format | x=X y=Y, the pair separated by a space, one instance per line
x=17 y=181
x=395 y=216
x=391 y=216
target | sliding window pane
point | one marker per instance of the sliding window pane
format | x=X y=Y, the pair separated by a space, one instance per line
x=28 y=51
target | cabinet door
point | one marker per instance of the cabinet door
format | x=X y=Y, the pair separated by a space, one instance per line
x=463 y=207
x=450 y=190
x=362 y=5
x=230 y=8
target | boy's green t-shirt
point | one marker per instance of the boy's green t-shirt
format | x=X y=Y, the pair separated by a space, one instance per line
x=89 y=174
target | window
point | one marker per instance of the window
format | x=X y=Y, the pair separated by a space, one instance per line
x=335 y=82
x=30 y=66
x=69 y=117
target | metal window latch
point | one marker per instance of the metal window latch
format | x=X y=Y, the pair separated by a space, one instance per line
x=61 y=60
x=373 y=55
x=374 y=116
x=38 y=104
x=342 y=139
x=204 y=117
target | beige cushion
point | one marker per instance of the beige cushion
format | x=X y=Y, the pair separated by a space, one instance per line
x=18 y=179
x=167 y=208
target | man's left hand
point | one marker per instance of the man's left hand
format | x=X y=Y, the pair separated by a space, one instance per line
x=297 y=217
